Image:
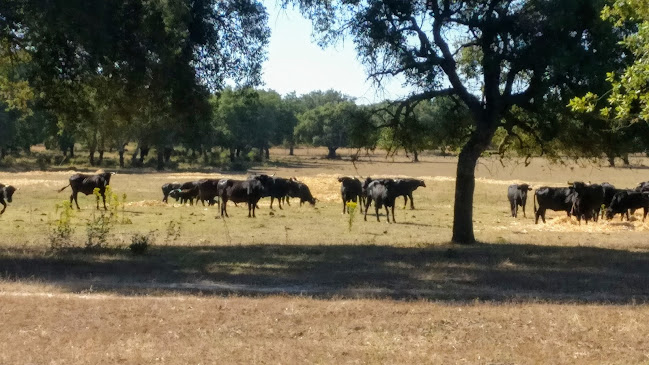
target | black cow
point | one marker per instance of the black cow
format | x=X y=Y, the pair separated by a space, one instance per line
x=87 y=184
x=189 y=192
x=588 y=201
x=609 y=193
x=351 y=190
x=380 y=191
x=405 y=187
x=557 y=199
x=275 y=187
x=6 y=194
x=625 y=200
x=242 y=191
x=167 y=188
x=517 y=195
x=300 y=190
x=208 y=190
x=642 y=187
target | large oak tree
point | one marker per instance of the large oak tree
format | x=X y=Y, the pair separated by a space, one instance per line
x=491 y=55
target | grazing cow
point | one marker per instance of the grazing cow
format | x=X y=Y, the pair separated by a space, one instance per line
x=276 y=188
x=557 y=199
x=588 y=201
x=381 y=192
x=517 y=195
x=168 y=188
x=300 y=190
x=208 y=190
x=351 y=190
x=405 y=187
x=87 y=184
x=6 y=194
x=642 y=187
x=189 y=192
x=242 y=191
x=609 y=193
x=625 y=200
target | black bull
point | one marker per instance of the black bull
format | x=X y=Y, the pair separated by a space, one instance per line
x=87 y=184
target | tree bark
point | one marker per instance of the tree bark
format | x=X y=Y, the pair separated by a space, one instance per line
x=101 y=157
x=267 y=151
x=291 y=150
x=332 y=152
x=611 y=160
x=3 y=153
x=121 y=157
x=465 y=181
x=72 y=151
x=167 y=154
x=416 y=156
x=92 y=158
x=625 y=159
x=144 y=151
x=161 y=160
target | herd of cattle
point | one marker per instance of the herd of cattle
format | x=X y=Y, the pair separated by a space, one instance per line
x=584 y=201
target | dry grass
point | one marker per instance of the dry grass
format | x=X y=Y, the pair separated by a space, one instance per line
x=559 y=292
x=95 y=329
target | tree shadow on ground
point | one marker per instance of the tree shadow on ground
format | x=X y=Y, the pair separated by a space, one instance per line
x=496 y=272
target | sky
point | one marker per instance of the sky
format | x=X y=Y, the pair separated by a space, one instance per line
x=296 y=63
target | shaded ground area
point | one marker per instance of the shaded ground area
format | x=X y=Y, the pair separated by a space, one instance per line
x=497 y=272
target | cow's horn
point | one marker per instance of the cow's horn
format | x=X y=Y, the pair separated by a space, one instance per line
x=570 y=183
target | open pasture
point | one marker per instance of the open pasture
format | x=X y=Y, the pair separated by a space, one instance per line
x=301 y=284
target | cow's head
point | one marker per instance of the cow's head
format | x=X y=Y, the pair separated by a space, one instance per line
x=175 y=193
x=422 y=183
x=8 y=192
x=106 y=177
x=524 y=187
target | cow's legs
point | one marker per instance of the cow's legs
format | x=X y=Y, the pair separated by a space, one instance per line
x=4 y=206
x=344 y=205
x=412 y=202
x=271 y=202
x=74 y=197
x=103 y=197
x=361 y=201
x=512 y=206
x=524 y=216
x=376 y=210
x=405 y=201
x=394 y=220
x=279 y=202
x=387 y=213
x=286 y=199
x=368 y=201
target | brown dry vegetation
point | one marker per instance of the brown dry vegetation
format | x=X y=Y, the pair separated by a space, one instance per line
x=559 y=292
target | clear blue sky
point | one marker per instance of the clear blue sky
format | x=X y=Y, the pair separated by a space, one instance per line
x=296 y=63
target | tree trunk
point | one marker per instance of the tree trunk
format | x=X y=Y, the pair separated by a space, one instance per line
x=134 y=156
x=72 y=151
x=611 y=160
x=167 y=154
x=232 y=155
x=121 y=157
x=332 y=152
x=465 y=182
x=161 y=160
x=144 y=151
x=92 y=158
x=3 y=153
x=290 y=150
x=267 y=150
x=416 y=156
x=101 y=157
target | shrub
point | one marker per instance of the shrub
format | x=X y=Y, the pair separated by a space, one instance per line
x=140 y=243
x=61 y=232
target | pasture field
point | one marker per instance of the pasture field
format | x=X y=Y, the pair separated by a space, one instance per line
x=302 y=284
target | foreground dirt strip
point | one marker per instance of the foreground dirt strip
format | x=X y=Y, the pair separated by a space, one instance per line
x=61 y=328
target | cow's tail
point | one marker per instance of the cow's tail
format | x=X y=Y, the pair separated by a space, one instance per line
x=535 y=203
x=63 y=188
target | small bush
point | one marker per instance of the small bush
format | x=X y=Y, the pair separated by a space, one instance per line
x=61 y=232
x=140 y=243
x=351 y=208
